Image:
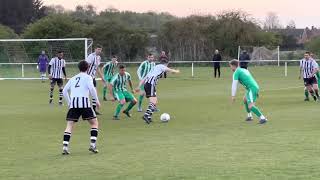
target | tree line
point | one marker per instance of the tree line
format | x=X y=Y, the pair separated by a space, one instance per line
x=132 y=35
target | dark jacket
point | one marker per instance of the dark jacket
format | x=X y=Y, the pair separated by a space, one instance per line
x=216 y=60
x=244 y=58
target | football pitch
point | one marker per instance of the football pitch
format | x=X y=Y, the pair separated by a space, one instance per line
x=207 y=137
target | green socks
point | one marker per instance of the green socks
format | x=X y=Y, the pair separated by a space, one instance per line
x=118 y=110
x=140 y=101
x=247 y=107
x=104 y=91
x=256 y=111
x=306 y=93
x=130 y=106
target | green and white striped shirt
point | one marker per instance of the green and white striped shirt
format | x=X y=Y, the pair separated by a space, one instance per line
x=119 y=82
x=144 y=68
x=109 y=68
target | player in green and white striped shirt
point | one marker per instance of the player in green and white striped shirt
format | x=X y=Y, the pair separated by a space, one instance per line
x=118 y=91
x=108 y=70
x=144 y=68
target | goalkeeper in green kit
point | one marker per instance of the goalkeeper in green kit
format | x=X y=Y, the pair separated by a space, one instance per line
x=246 y=79
x=108 y=71
x=144 y=68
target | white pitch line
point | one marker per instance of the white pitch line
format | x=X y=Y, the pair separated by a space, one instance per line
x=280 y=89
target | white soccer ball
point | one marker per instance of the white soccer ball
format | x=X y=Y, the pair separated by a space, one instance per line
x=165 y=117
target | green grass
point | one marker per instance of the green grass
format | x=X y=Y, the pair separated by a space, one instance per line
x=207 y=137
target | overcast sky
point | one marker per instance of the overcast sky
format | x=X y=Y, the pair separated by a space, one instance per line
x=304 y=13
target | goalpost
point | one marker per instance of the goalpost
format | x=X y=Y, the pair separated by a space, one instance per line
x=18 y=57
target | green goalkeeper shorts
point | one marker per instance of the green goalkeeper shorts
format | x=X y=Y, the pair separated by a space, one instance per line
x=120 y=95
x=252 y=95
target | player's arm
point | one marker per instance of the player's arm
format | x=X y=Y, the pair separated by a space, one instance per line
x=141 y=67
x=110 y=86
x=316 y=68
x=49 y=69
x=140 y=84
x=174 y=71
x=93 y=92
x=66 y=93
x=131 y=86
x=101 y=75
x=64 y=70
x=234 y=89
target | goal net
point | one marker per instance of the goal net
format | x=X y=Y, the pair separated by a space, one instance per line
x=19 y=57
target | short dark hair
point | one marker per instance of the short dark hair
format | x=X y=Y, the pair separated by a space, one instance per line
x=83 y=66
x=307 y=52
x=114 y=56
x=98 y=46
x=234 y=62
x=150 y=54
x=122 y=66
x=59 y=52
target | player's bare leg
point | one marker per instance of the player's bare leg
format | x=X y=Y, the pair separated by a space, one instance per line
x=142 y=94
x=67 y=137
x=151 y=109
x=246 y=105
x=93 y=135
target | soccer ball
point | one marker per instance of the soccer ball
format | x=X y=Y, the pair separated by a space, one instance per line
x=165 y=117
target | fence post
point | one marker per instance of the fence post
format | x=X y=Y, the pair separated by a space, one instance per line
x=286 y=69
x=239 y=52
x=278 y=55
x=192 y=72
x=22 y=70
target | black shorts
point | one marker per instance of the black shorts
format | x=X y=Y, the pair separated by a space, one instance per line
x=150 y=90
x=86 y=114
x=94 y=82
x=310 y=81
x=55 y=81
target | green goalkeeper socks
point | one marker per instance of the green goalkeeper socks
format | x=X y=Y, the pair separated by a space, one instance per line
x=118 y=110
x=130 y=106
x=140 y=101
x=256 y=111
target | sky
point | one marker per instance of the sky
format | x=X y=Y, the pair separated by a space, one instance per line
x=303 y=13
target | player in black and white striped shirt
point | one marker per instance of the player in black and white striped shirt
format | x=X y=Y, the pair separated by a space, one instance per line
x=150 y=83
x=80 y=87
x=308 y=70
x=94 y=61
x=57 y=71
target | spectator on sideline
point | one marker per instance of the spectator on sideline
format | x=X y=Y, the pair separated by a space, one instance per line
x=244 y=59
x=216 y=63
x=164 y=57
x=42 y=64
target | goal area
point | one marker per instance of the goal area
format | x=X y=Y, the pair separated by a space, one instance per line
x=19 y=57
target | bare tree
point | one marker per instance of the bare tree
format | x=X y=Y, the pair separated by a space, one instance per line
x=291 y=25
x=272 y=21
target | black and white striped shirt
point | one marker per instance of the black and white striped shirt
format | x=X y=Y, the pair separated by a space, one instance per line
x=56 y=67
x=308 y=67
x=155 y=74
x=94 y=62
x=80 y=87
